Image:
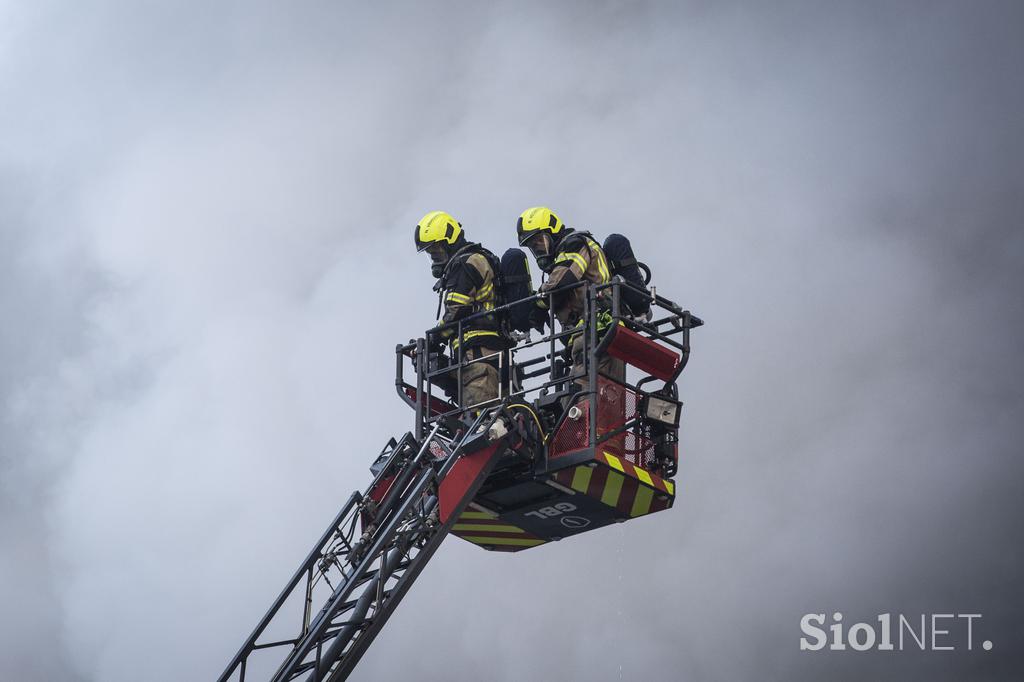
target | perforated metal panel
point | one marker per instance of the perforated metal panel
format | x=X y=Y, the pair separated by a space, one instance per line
x=573 y=434
x=617 y=406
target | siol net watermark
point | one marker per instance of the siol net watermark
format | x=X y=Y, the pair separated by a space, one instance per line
x=929 y=632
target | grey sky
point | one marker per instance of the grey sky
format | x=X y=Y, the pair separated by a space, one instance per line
x=200 y=206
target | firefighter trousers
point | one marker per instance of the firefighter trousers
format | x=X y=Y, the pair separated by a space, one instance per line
x=479 y=376
x=613 y=368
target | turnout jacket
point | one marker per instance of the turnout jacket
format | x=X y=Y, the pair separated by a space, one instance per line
x=578 y=258
x=468 y=286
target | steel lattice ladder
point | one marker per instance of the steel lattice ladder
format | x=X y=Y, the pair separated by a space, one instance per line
x=357 y=573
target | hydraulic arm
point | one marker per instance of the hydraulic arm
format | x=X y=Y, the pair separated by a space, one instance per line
x=350 y=583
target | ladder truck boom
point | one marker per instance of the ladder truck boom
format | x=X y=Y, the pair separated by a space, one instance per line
x=351 y=581
x=563 y=449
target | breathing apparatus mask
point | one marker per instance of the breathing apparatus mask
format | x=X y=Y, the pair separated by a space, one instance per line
x=542 y=249
x=439 y=258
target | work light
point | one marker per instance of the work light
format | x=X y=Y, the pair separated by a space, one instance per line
x=660 y=409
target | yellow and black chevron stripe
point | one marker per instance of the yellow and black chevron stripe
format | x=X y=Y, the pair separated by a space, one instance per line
x=629 y=489
x=490 y=532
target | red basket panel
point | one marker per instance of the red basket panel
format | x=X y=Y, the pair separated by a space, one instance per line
x=643 y=353
x=616 y=405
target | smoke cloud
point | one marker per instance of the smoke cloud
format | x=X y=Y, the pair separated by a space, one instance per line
x=206 y=260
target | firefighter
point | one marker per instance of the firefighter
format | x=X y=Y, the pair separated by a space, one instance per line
x=467 y=283
x=568 y=257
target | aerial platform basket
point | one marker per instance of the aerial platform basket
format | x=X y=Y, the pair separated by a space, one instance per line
x=561 y=450
x=610 y=447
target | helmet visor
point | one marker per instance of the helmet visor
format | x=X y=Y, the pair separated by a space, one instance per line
x=539 y=244
x=438 y=252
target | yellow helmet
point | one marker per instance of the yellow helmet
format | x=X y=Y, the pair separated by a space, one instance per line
x=437 y=227
x=538 y=219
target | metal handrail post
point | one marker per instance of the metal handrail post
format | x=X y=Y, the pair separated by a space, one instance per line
x=551 y=326
x=616 y=310
x=460 y=357
x=590 y=346
x=421 y=397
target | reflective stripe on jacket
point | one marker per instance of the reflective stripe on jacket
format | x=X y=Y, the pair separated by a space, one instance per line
x=579 y=258
x=469 y=289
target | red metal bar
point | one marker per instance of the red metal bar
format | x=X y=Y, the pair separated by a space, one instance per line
x=643 y=353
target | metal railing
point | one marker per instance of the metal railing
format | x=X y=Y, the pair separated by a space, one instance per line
x=538 y=369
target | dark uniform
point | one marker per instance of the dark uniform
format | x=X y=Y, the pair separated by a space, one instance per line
x=578 y=258
x=468 y=287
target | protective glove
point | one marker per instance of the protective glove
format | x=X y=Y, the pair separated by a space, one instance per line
x=539 y=316
x=437 y=336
